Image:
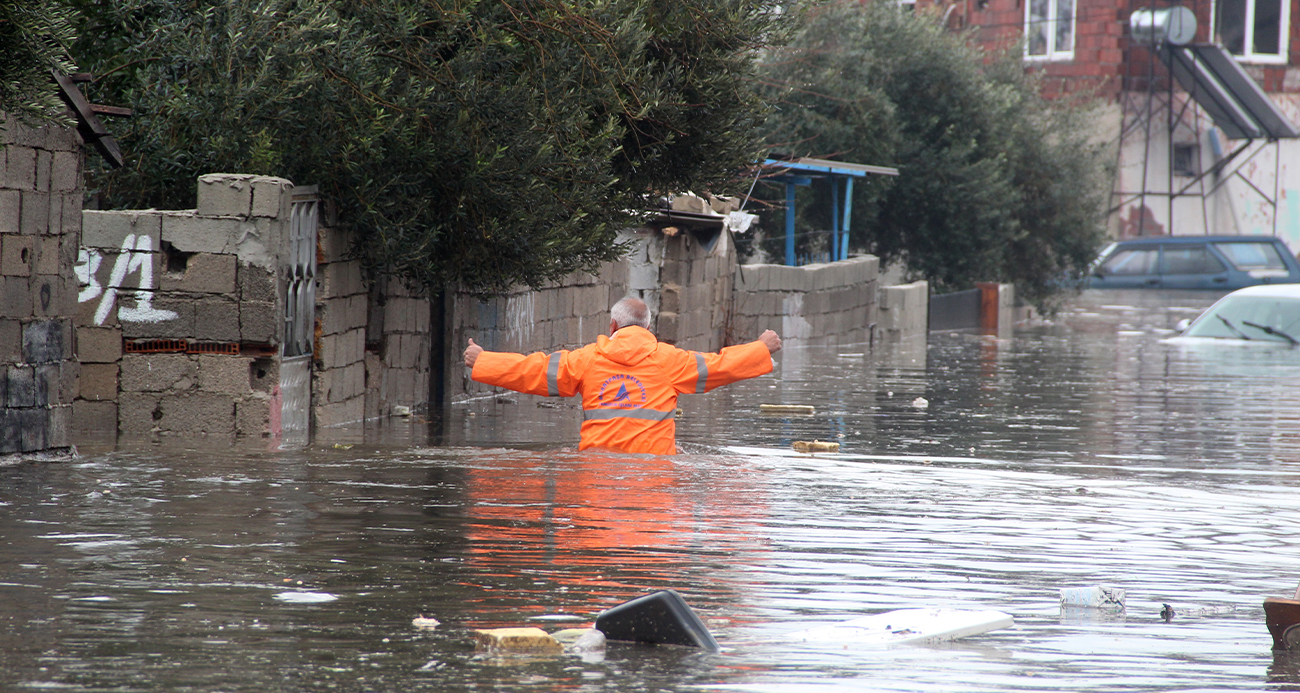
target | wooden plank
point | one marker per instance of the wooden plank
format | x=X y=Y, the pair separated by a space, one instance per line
x=101 y=109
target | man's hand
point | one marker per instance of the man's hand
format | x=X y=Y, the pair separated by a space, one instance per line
x=771 y=341
x=473 y=350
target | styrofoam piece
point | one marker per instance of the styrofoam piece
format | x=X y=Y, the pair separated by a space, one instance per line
x=907 y=627
x=1170 y=612
x=1094 y=597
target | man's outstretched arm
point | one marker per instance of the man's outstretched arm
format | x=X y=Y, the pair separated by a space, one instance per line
x=534 y=374
x=704 y=372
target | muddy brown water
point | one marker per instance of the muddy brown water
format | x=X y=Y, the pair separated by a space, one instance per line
x=1081 y=451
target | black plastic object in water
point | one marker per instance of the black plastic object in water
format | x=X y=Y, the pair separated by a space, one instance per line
x=659 y=617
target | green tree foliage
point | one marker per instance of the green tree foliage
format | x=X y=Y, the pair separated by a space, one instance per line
x=35 y=36
x=995 y=183
x=489 y=142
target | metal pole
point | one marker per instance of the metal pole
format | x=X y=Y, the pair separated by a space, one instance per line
x=835 y=218
x=848 y=210
x=789 y=223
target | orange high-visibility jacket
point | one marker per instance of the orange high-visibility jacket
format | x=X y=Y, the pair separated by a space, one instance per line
x=629 y=383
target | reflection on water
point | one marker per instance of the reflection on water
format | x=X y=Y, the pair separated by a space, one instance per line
x=1079 y=452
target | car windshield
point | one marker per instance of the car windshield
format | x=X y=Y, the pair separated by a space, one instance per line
x=1249 y=256
x=1270 y=318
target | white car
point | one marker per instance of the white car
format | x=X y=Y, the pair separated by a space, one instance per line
x=1268 y=314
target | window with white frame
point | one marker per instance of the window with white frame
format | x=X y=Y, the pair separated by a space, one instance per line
x=1255 y=30
x=1049 y=29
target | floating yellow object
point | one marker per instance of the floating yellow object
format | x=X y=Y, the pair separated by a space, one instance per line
x=531 y=640
x=815 y=446
x=799 y=409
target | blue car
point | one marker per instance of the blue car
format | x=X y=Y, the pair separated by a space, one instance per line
x=1194 y=262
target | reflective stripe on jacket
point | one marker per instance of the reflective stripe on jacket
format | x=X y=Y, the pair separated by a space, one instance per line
x=629 y=383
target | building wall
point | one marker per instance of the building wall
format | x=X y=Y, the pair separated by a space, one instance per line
x=179 y=314
x=40 y=218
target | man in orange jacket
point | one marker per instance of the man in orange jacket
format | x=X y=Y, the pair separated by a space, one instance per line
x=629 y=381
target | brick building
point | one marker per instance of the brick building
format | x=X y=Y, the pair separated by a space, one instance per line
x=1179 y=170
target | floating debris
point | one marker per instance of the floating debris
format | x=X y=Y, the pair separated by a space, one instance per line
x=301 y=597
x=558 y=617
x=1169 y=613
x=795 y=409
x=341 y=446
x=815 y=446
x=424 y=623
x=527 y=640
x=1096 y=597
x=921 y=403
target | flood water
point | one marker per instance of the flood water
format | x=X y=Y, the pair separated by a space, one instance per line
x=1082 y=451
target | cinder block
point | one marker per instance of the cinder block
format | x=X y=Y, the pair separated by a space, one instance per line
x=60 y=417
x=270 y=196
x=16 y=301
x=11 y=340
x=263 y=241
x=253 y=416
x=162 y=325
x=94 y=417
x=50 y=296
x=20 y=168
x=49 y=253
x=65 y=171
x=99 y=345
x=216 y=319
x=259 y=322
x=99 y=381
x=195 y=234
x=11 y=207
x=228 y=375
x=256 y=283
x=11 y=431
x=264 y=375
x=340 y=413
x=225 y=194
x=203 y=273
x=47 y=384
x=338 y=279
x=35 y=432
x=71 y=215
x=44 y=161
x=109 y=229
x=138 y=413
x=17 y=255
x=197 y=413
x=43 y=341
x=158 y=373
x=35 y=217
x=20 y=388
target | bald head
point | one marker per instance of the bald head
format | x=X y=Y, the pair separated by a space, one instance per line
x=630 y=311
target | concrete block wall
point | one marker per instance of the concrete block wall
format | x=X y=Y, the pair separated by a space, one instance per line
x=695 y=287
x=904 y=312
x=565 y=314
x=398 y=364
x=820 y=302
x=40 y=218
x=342 y=312
x=179 y=314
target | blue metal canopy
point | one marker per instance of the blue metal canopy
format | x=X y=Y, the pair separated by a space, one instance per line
x=802 y=171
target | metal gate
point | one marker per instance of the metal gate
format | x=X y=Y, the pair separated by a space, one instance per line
x=299 y=315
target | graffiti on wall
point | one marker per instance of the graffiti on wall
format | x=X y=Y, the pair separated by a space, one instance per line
x=136 y=258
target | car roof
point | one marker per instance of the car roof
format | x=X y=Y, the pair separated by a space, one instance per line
x=1197 y=239
x=1269 y=290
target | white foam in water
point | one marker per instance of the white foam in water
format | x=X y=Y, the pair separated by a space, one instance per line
x=299 y=597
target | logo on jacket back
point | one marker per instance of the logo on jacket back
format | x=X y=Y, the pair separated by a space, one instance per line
x=622 y=392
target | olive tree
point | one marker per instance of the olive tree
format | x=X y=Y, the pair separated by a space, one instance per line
x=486 y=143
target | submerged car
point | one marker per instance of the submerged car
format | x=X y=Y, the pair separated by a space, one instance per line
x=1259 y=314
x=1194 y=262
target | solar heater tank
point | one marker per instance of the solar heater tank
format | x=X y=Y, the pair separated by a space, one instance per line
x=1172 y=25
